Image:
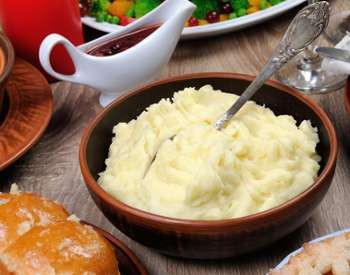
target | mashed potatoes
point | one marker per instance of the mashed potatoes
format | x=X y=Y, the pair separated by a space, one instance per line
x=258 y=161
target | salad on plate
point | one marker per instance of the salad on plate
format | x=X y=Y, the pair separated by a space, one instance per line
x=123 y=12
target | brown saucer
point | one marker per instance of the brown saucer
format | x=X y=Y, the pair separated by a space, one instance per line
x=26 y=112
x=129 y=264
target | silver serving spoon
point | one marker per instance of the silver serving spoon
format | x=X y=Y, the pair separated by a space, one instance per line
x=307 y=25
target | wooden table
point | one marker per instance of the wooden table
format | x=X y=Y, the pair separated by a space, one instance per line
x=51 y=167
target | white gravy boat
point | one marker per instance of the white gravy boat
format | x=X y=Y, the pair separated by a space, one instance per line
x=115 y=74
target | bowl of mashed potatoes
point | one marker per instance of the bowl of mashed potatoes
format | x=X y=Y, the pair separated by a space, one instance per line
x=161 y=173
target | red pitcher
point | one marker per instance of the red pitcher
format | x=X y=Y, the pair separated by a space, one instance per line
x=27 y=23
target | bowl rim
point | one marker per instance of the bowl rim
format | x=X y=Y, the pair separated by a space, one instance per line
x=9 y=54
x=208 y=224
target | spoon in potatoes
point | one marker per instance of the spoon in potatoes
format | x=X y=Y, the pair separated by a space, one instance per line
x=307 y=25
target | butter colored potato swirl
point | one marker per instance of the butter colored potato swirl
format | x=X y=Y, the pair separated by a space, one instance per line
x=257 y=162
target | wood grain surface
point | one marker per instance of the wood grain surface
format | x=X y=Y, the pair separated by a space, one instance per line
x=51 y=167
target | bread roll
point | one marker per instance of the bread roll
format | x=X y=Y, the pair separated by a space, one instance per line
x=20 y=212
x=37 y=237
x=61 y=248
x=4 y=270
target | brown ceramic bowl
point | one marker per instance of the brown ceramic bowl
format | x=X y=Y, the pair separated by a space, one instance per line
x=207 y=239
x=9 y=59
x=347 y=96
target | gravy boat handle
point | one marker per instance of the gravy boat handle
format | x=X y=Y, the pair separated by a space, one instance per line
x=45 y=50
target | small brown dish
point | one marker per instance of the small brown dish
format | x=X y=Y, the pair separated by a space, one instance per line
x=7 y=59
x=27 y=110
x=347 y=96
x=129 y=264
x=207 y=239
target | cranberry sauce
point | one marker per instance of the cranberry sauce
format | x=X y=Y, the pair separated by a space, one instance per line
x=123 y=42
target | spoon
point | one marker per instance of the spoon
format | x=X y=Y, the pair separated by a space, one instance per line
x=334 y=53
x=307 y=25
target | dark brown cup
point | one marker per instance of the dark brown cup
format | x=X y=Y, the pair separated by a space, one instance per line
x=207 y=239
x=9 y=55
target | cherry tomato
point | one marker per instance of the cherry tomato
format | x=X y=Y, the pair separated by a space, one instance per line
x=125 y=20
x=226 y=8
x=213 y=17
x=193 y=21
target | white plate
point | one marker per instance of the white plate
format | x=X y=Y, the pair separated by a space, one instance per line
x=212 y=29
x=286 y=259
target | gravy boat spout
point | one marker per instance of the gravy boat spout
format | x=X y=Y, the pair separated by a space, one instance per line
x=118 y=73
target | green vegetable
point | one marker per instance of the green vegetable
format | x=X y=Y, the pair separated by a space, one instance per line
x=241 y=12
x=131 y=11
x=275 y=2
x=109 y=18
x=98 y=7
x=205 y=6
x=105 y=17
x=143 y=7
x=263 y=4
x=115 y=20
x=239 y=4
x=101 y=16
x=233 y=15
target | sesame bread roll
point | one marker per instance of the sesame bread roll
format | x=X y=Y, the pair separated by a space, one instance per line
x=61 y=248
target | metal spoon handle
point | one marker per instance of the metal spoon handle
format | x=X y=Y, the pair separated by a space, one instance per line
x=334 y=53
x=308 y=24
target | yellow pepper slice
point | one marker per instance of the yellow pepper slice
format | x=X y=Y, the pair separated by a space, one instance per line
x=254 y=2
x=119 y=7
x=224 y=17
x=203 y=22
x=252 y=9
